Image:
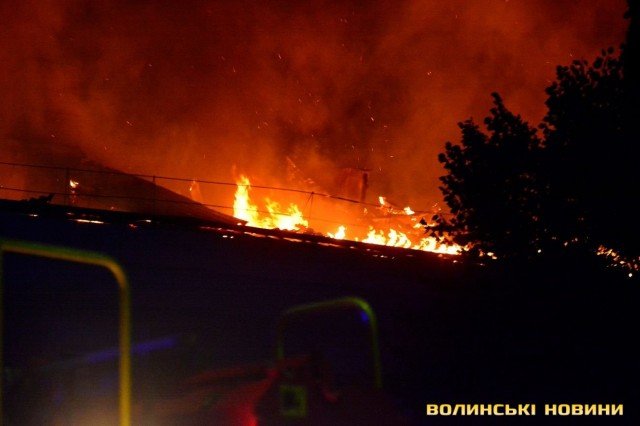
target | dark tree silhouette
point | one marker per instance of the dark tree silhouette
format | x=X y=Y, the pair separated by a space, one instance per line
x=588 y=162
x=591 y=150
x=491 y=187
x=631 y=49
x=575 y=191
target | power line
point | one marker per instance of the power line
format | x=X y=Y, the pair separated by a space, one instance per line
x=154 y=178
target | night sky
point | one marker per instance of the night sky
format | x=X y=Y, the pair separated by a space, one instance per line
x=206 y=89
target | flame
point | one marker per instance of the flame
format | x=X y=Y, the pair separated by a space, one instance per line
x=340 y=234
x=73 y=184
x=194 y=192
x=291 y=218
x=276 y=216
x=394 y=238
x=242 y=206
x=431 y=244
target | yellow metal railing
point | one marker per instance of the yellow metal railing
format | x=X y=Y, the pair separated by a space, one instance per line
x=333 y=305
x=89 y=258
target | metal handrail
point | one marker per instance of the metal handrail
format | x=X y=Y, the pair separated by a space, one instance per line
x=89 y=258
x=331 y=305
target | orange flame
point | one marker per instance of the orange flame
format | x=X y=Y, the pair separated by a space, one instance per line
x=292 y=219
x=340 y=234
x=276 y=216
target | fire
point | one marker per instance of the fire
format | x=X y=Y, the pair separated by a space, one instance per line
x=275 y=216
x=394 y=238
x=291 y=218
x=242 y=206
x=340 y=234
x=431 y=244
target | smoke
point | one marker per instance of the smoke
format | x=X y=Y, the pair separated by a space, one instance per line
x=200 y=88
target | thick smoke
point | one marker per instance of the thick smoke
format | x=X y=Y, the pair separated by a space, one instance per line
x=201 y=88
